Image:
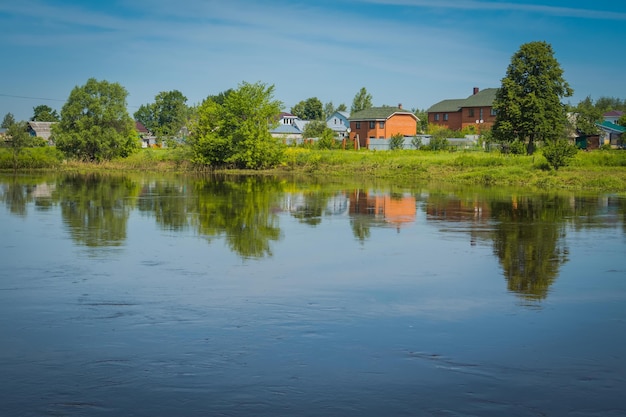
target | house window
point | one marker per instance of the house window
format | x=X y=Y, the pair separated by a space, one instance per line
x=358 y=125
x=381 y=125
x=372 y=125
x=445 y=116
x=470 y=112
x=436 y=117
x=492 y=111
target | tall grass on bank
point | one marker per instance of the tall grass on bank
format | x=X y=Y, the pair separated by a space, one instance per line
x=31 y=158
x=595 y=170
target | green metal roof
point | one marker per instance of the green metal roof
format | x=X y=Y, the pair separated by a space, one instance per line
x=379 y=113
x=612 y=126
x=483 y=98
x=446 y=106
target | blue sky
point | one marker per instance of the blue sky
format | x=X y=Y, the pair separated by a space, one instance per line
x=414 y=52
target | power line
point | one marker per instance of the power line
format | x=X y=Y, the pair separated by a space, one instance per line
x=30 y=98
x=42 y=98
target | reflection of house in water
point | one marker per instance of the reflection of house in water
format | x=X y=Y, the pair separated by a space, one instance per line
x=329 y=205
x=390 y=209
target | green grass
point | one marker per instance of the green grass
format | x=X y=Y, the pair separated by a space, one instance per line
x=596 y=170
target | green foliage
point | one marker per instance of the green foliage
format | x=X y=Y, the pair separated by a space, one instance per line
x=95 y=124
x=145 y=115
x=559 y=153
x=517 y=147
x=396 y=142
x=362 y=100
x=416 y=142
x=166 y=116
x=422 y=116
x=309 y=109
x=528 y=103
x=31 y=158
x=44 y=113
x=314 y=129
x=587 y=115
x=327 y=140
x=8 y=120
x=237 y=133
x=605 y=104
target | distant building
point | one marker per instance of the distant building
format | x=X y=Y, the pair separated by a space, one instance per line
x=381 y=123
x=41 y=130
x=475 y=110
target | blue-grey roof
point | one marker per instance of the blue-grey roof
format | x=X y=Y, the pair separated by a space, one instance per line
x=286 y=129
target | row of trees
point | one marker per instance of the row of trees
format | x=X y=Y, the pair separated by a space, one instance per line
x=233 y=127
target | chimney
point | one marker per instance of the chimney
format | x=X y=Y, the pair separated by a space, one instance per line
x=399 y=105
x=476 y=90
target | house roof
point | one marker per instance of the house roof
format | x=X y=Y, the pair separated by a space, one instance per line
x=614 y=113
x=286 y=129
x=42 y=129
x=139 y=127
x=379 y=113
x=611 y=126
x=450 y=105
x=483 y=98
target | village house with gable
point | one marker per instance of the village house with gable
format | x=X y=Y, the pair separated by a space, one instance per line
x=381 y=123
x=456 y=114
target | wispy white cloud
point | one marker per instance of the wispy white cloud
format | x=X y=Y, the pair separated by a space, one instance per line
x=520 y=7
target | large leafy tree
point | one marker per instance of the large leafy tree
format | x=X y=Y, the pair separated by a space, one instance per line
x=44 y=113
x=309 y=109
x=95 y=124
x=362 y=100
x=166 y=116
x=528 y=103
x=237 y=132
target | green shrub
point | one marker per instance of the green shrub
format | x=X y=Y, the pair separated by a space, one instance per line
x=559 y=153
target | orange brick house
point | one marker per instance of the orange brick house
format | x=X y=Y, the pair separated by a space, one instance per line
x=456 y=114
x=381 y=123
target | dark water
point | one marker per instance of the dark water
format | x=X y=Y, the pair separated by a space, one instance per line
x=184 y=296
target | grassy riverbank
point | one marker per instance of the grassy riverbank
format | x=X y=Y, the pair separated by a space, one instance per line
x=597 y=170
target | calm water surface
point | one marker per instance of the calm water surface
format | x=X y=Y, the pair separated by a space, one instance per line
x=184 y=296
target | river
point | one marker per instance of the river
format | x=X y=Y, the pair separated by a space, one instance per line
x=174 y=295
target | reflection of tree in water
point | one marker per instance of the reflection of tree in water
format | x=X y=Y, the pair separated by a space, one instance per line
x=14 y=196
x=169 y=201
x=242 y=209
x=528 y=242
x=94 y=207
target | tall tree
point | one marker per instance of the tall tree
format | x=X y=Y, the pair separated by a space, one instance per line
x=605 y=104
x=43 y=113
x=362 y=100
x=238 y=132
x=309 y=109
x=95 y=124
x=145 y=115
x=166 y=116
x=528 y=103
x=170 y=110
x=8 y=120
x=586 y=117
x=329 y=109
